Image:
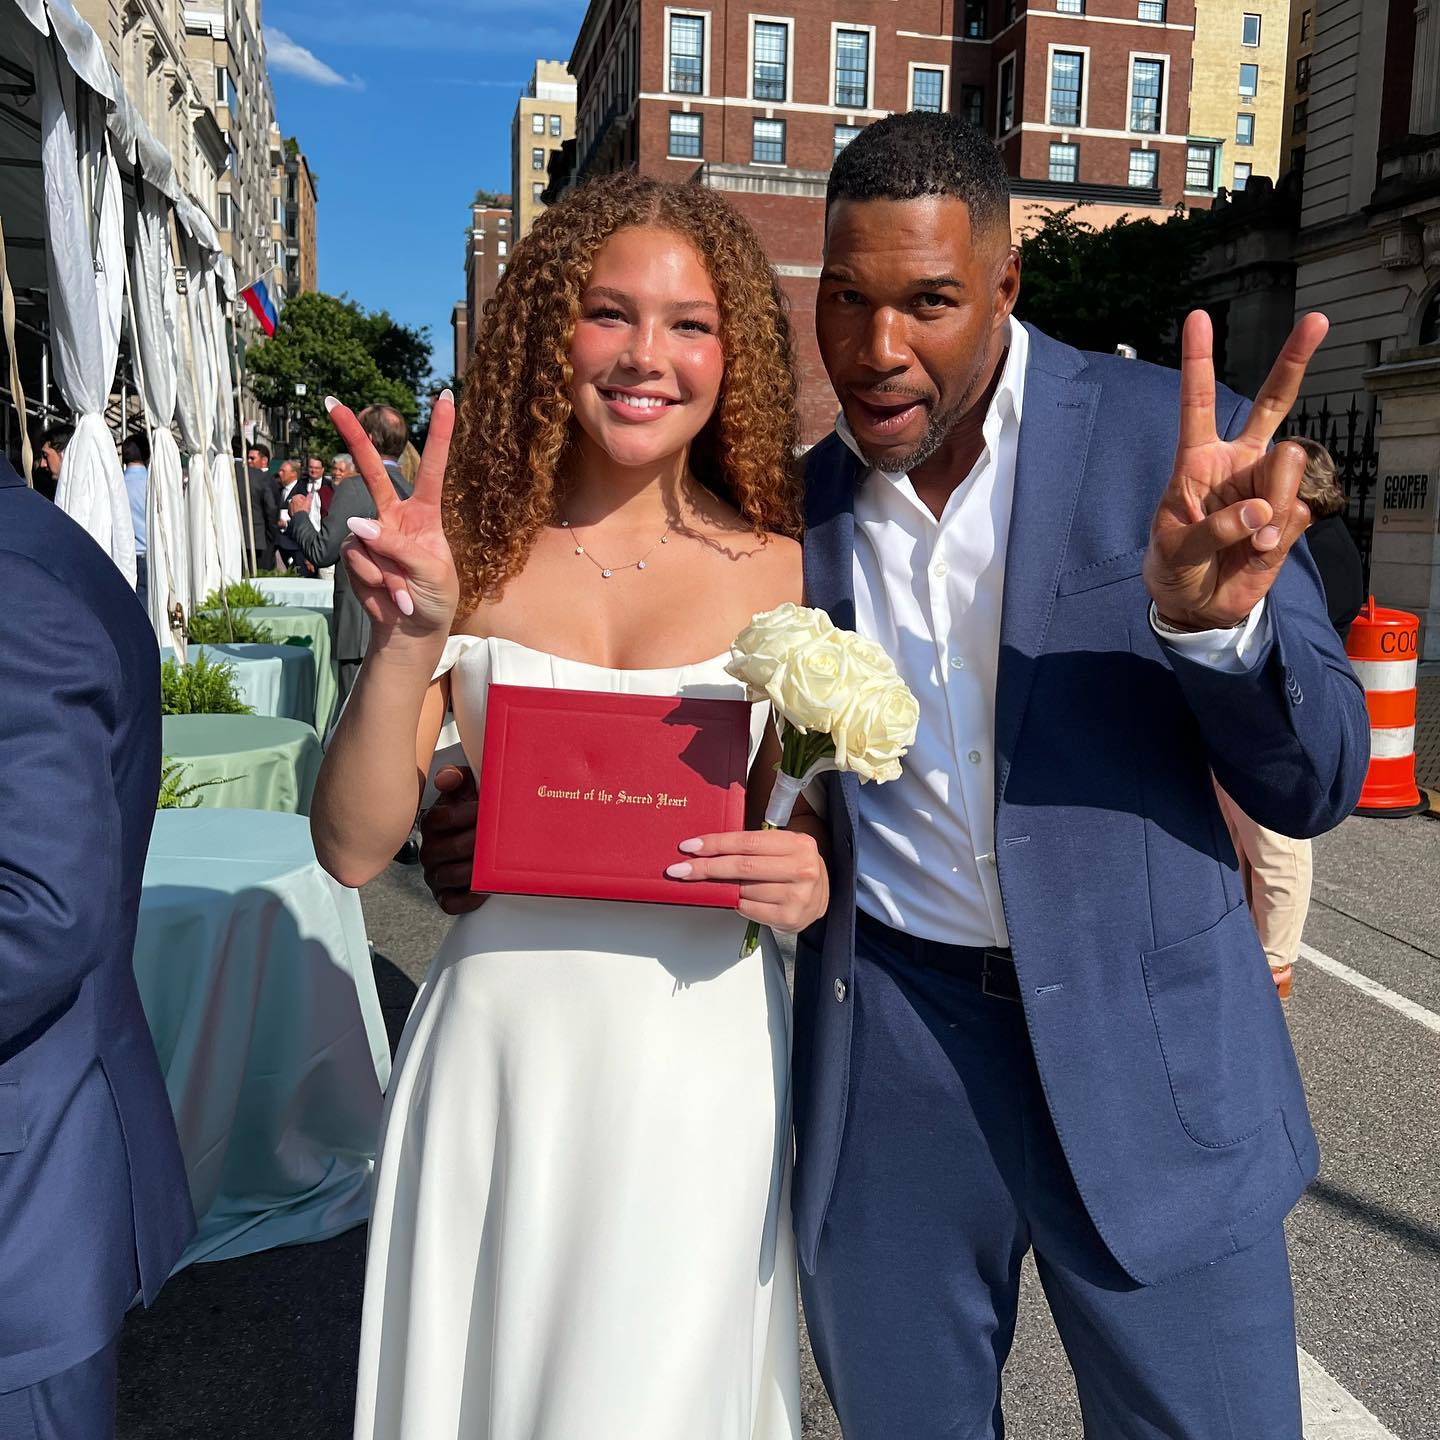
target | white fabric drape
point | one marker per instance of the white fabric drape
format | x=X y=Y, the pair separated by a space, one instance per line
x=86 y=291
x=168 y=525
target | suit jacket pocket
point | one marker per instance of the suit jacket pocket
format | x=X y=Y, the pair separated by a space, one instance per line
x=12 y=1125
x=1125 y=566
x=1220 y=1030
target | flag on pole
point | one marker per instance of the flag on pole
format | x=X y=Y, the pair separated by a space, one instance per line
x=257 y=297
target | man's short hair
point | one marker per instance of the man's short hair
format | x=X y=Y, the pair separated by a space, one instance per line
x=1320 y=486
x=294 y=465
x=263 y=451
x=135 y=450
x=386 y=428
x=919 y=153
x=57 y=437
x=343 y=458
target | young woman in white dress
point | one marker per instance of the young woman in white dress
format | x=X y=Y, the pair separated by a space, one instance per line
x=581 y=1227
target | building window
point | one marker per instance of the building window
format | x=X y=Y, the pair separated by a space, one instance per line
x=772 y=56
x=536 y=191
x=972 y=105
x=224 y=212
x=537 y=159
x=1152 y=11
x=1199 y=167
x=1245 y=129
x=1250 y=30
x=1065 y=72
x=844 y=134
x=1430 y=322
x=1305 y=27
x=1146 y=82
x=1065 y=163
x=503 y=248
x=222 y=85
x=1297 y=159
x=1006 y=113
x=537 y=124
x=684 y=136
x=502 y=223
x=1242 y=176
x=500 y=269
x=1300 y=117
x=927 y=90
x=1249 y=81
x=555 y=126
x=767 y=142
x=1011 y=6
x=1070 y=7
x=852 y=69
x=277 y=211
x=1302 y=74
x=687 y=54
x=1145 y=169
x=974 y=19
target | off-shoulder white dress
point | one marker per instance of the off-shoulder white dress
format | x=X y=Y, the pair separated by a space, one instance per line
x=581 y=1226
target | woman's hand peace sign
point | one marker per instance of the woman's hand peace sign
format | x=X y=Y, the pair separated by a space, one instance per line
x=400 y=564
x=1232 y=510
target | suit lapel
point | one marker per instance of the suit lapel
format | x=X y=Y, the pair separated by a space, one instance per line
x=1059 y=415
x=830 y=477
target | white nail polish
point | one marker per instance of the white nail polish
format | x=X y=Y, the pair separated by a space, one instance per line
x=404 y=603
x=679 y=870
x=330 y=403
x=447 y=394
x=691 y=847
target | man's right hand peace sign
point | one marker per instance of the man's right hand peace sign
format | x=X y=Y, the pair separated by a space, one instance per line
x=400 y=564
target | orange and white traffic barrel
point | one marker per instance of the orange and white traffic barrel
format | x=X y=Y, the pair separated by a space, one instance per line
x=1383 y=647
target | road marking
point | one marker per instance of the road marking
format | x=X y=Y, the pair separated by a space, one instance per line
x=1373 y=988
x=1330 y=1411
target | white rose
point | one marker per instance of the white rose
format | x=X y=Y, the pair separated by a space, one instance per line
x=871 y=656
x=877 y=729
x=814 y=686
x=770 y=640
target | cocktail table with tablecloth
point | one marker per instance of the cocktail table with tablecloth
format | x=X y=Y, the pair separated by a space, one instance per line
x=297 y=590
x=313 y=625
x=271 y=679
x=257 y=983
x=267 y=763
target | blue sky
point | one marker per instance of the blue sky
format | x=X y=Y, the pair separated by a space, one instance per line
x=403 y=115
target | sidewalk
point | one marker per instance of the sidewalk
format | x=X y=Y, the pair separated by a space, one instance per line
x=1427 y=728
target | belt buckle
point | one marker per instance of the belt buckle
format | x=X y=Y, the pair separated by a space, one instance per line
x=985 y=987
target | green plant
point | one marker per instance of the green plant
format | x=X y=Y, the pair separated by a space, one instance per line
x=221 y=627
x=241 y=593
x=203 y=687
x=175 y=794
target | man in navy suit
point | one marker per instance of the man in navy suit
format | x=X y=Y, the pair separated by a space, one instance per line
x=94 y=1204
x=1037 y=1016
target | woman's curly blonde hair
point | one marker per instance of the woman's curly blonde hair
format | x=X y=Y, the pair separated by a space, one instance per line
x=506 y=473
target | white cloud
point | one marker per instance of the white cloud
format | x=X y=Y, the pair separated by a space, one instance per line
x=285 y=55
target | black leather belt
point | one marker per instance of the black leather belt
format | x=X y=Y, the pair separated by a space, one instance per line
x=991 y=967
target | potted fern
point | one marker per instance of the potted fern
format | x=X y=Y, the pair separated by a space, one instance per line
x=178 y=794
x=203 y=687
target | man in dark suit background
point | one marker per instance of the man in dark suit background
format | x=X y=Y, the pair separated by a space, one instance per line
x=94 y=1202
x=349 y=625
x=264 y=508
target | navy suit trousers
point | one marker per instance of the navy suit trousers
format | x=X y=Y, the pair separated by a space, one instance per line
x=76 y=1404
x=950 y=1171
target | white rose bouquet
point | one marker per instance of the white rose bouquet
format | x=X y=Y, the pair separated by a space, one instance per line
x=837 y=700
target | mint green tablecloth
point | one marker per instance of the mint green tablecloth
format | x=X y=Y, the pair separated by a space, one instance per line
x=271 y=679
x=285 y=620
x=297 y=590
x=256 y=979
x=267 y=763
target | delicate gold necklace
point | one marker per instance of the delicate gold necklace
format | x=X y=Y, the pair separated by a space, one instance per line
x=606 y=571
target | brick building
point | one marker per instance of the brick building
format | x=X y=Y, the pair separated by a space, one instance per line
x=544 y=120
x=1089 y=101
x=487 y=248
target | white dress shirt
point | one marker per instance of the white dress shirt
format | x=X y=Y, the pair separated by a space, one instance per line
x=931 y=591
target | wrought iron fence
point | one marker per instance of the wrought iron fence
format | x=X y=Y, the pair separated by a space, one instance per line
x=1349 y=436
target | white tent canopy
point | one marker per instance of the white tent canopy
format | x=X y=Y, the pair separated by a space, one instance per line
x=89 y=131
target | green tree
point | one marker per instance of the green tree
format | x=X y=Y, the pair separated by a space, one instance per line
x=401 y=352
x=1126 y=284
x=323 y=342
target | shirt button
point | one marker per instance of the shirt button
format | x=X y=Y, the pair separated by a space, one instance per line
x=973 y=757
x=941 y=569
x=840 y=991
x=957 y=662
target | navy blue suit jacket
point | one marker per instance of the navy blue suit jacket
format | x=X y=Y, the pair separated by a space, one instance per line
x=94 y=1204
x=1156 y=1029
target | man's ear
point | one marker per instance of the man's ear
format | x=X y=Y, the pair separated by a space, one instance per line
x=1007 y=283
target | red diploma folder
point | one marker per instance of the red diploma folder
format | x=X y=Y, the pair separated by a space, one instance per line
x=587 y=794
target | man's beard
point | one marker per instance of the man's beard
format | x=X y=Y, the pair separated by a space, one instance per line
x=937 y=431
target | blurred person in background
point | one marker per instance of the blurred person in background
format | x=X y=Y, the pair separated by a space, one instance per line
x=1334 y=551
x=52 y=452
x=264 y=508
x=135 y=456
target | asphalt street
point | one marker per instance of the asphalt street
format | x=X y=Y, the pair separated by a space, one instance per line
x=264 y=1347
